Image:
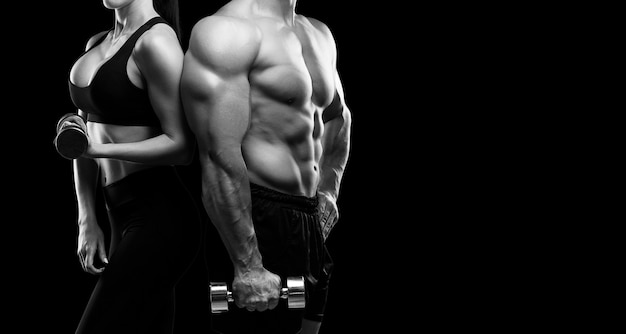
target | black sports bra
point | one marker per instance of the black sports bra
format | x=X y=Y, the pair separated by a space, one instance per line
x=111 y=97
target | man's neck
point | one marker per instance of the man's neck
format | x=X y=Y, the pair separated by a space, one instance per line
x=286 y=9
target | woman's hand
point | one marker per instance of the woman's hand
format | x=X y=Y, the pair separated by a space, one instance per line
x=90 y=151
x=90 y=241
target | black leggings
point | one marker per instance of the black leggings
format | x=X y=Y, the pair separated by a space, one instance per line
x=155 y=237
x=291 y=244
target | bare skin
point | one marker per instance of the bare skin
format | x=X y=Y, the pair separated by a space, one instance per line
x=257 y=80
x=116 y=151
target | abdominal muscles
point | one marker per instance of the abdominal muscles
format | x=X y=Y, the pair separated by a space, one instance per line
x=112 y=170
x=283 y=157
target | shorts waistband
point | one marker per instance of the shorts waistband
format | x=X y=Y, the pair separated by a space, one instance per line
x=302 y=202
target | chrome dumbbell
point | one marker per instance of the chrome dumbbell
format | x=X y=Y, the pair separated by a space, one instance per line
x=220 y=296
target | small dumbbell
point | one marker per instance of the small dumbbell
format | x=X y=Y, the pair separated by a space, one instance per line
x=71 y=136
x=219 y=296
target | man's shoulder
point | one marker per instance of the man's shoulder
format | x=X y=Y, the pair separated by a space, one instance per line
x=315 y=27
x=231 y=14
x=219 y=20
x=222 y=38
x=315 y=24
x=224 y=26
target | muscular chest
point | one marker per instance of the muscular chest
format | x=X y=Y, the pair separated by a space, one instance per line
x=296 y=67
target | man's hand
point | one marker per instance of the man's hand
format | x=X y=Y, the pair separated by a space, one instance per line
x=257 y=290
x=328 y=213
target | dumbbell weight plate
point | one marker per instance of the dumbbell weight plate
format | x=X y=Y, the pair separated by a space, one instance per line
x=71 y=139
x=219 y=296
x=294 y=292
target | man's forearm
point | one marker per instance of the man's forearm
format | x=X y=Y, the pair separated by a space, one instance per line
x=226 y=198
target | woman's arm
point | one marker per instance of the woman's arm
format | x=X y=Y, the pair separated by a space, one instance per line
x=90 y=236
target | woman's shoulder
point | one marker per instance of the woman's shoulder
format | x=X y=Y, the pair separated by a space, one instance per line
x=93 y=40
x=158 y=48
x=158 y=38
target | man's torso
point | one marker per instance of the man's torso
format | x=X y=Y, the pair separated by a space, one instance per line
x=291 y=82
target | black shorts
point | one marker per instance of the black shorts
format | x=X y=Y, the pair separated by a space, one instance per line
x=291 y=244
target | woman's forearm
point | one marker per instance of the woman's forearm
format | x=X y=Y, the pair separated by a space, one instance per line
x=85 y=173
x=159 y=150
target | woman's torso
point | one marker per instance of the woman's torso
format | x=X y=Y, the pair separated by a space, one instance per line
x=106 y=84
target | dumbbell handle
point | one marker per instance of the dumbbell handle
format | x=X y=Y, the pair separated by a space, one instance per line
x=220 y=296
x=284 y=294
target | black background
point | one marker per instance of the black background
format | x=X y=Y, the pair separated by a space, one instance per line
x=48 y=287
x=438 y=200
x=443 y=221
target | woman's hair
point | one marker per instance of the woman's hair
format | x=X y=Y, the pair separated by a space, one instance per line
x=168 y=9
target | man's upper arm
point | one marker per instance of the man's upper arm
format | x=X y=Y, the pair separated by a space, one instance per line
x=214 y=86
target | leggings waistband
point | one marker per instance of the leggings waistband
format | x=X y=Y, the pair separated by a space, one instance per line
x=140 y=184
